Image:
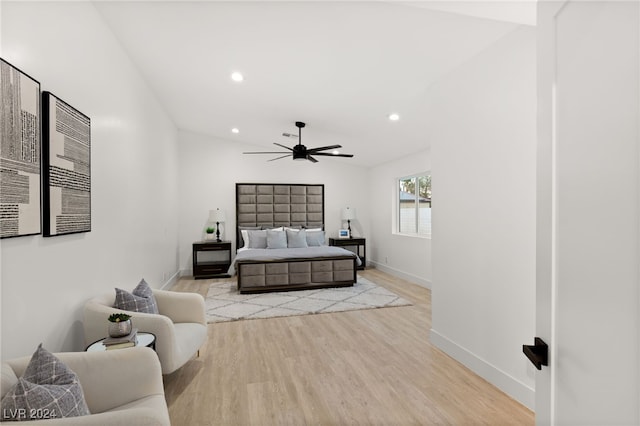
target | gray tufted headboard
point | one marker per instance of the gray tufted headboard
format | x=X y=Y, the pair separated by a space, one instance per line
x=279 y=204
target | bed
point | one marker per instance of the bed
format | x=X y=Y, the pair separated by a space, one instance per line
x=281 y=240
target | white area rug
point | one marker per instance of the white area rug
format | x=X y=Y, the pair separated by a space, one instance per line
x=225 y=303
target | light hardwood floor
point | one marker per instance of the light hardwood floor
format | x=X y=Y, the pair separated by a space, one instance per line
x=368 y=367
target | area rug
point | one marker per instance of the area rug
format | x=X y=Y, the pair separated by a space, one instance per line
x=225 y=303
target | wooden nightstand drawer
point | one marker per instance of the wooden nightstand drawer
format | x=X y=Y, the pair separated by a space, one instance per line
x=221 y=247
x=221 y=268
x=211 y=259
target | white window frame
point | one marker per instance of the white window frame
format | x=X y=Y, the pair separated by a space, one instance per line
x=397 y=208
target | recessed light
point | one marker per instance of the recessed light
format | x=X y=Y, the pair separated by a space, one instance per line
x=235 y=130
x=336 y=152
x=394 y=117
x=236 y=76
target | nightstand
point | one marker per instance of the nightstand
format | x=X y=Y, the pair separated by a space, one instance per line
x=358 y=243
x=211 y=259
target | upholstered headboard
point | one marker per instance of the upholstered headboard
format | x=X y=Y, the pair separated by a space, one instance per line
x=279 y=204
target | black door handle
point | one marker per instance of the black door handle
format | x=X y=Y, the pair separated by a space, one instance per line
x=538 y=354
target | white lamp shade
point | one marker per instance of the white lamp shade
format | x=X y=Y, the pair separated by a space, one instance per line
x=216 y=215
x=348 y=214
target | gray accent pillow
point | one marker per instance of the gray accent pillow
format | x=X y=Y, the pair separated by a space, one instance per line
x=257 y=239
x=297 y=239
x=140 y=300
x=47 y=389
x=276 y=239
x=316 y=239
x=241 y=241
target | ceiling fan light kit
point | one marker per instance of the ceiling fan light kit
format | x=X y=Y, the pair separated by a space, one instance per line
x=300 y=152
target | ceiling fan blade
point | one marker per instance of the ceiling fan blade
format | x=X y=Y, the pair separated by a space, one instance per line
x=324 y=148
x=266 y=152
x=299 y=151
x=277 y=158
x=283 y=146
x=328 y=154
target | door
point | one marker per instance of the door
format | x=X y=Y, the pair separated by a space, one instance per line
x=588 y=212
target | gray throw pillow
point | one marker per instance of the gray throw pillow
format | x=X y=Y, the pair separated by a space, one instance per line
x=241 y=241
x=140 y=300
x=296 y=239
x=276 y=239
x=316 y=238
x=257 y=239
x=47 y=389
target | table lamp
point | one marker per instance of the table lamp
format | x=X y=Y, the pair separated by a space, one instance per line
x=217 y=216
x=348 y=214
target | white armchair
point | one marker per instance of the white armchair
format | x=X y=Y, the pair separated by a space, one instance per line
x=180 y=327
x=122 y=387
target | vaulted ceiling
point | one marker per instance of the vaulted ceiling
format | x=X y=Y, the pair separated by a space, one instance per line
x=341 y=67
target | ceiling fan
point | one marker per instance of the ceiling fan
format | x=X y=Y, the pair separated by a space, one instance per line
x=300 y=152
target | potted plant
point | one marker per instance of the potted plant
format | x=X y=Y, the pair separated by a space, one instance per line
x=119 y=324
x=210 y=231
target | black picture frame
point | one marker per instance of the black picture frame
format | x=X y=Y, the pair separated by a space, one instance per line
x=66 y=165
x=20 y=153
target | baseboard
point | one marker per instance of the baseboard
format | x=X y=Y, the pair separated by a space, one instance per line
x=400 y=274
x=171 y=281
x=503 y=381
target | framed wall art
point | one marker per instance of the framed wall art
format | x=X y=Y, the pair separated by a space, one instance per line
x=66 y=165
x=19 y=153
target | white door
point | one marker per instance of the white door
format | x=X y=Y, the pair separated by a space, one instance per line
x=588 y=240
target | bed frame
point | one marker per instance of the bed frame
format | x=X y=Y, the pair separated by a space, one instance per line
x=278 y=204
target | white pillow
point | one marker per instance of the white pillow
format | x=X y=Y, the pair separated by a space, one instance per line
x=314 y=229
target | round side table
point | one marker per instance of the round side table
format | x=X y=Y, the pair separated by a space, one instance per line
x=144 y=339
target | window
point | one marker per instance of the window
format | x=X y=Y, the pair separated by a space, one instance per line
x=414 y=205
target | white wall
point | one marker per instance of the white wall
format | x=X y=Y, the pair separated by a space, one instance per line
x=210 y=168
x=482 y=126
x=589 y=148
x=400 y=255
x=68 y=48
